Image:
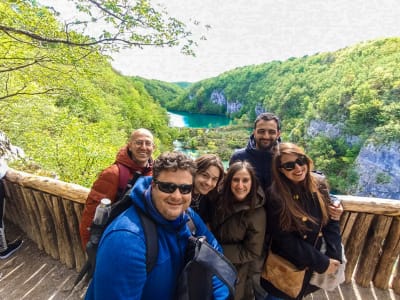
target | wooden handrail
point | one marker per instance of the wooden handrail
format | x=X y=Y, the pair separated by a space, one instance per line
x=49 y=211
x=52 y=186
x=376 y=206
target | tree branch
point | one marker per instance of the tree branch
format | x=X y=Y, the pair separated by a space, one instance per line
x=48 y=91
x=37 y=37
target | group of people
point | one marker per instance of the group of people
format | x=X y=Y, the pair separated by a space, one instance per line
x=268 y=200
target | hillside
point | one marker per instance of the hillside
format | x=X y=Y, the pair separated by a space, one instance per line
x=163 y=92
x=354 y=85
x=332 y=103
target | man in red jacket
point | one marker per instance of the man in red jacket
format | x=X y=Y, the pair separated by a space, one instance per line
x=135 y=157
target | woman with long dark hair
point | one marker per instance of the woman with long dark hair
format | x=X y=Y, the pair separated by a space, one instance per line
x=239 y=223
x=298 y=218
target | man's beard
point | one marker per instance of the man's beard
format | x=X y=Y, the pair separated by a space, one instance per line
x=270 y=147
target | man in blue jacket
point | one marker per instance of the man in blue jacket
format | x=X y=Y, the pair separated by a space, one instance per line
x=120 y=271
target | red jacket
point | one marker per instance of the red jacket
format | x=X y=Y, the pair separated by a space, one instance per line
x=106 y=186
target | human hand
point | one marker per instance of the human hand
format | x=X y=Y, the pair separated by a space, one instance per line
x=333 y=266
x=335 y=212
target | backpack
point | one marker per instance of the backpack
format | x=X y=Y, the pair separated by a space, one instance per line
x=121 y=203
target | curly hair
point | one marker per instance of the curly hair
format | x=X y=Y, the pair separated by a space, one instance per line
x=173 y=161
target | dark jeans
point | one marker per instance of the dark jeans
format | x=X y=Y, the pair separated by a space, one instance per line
x=2 y=202
x=3 y=242
x=271 y=297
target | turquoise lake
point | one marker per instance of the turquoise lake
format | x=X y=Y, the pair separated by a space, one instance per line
x=183 y=119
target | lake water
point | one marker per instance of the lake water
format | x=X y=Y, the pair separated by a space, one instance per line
x=183 y=119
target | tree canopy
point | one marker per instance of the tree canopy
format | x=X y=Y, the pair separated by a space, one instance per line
x=34 y=42
x=61 y=101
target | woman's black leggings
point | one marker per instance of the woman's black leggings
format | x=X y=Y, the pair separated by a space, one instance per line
x=2 y=202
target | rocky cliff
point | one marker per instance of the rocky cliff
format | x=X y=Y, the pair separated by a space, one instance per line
x=378 y=166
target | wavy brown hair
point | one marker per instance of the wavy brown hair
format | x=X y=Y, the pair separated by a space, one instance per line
x=283 y=190
x=207 y=160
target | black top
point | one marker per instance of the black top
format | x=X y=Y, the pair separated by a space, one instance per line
x=261 y=161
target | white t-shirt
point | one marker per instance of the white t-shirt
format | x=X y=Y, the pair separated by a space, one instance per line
x=3 y=168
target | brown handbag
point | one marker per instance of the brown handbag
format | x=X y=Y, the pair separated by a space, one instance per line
x=283 y=275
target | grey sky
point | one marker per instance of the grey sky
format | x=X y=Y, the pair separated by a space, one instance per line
x=246 y=32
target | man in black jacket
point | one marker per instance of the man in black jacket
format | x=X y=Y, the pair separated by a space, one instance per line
x=261 y=146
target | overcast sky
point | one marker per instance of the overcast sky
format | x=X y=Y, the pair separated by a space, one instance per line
x=246 y=32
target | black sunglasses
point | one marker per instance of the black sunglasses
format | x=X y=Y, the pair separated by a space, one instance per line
x=290 y=165
x=169 y=188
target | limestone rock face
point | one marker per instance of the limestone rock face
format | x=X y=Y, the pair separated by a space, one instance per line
x=319 y=127
x=378 y=167
x=218 y=97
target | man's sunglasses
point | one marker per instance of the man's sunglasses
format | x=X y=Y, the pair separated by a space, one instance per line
x=169 y=188
x=290 y=165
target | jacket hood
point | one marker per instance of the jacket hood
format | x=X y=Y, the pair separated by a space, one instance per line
x=142 y=199
x=251 y=144
x=124 y=157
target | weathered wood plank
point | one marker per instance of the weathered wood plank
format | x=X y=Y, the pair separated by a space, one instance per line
x=72 y=227
x=34 y=216
x=59 y=188
x=60 y=222
x=350 y=219
x=375 y=206
x=370 y=255
x=355 y=243
x=12 y=211
x=46 y=225
x=390 y=252
x=396 y=279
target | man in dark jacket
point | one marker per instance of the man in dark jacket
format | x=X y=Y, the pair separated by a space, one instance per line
x=260 y=147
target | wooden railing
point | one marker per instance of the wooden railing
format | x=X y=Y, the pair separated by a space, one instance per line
x=49 y=211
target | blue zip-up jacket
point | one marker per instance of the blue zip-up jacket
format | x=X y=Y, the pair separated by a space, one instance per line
x=121 y=257
x=261 y=161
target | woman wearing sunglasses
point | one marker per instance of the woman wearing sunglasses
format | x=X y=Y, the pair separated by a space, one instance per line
x=297 y=209
x=209 y=174
x=239 y=223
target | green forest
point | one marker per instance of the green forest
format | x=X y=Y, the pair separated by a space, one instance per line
x=63 y=103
